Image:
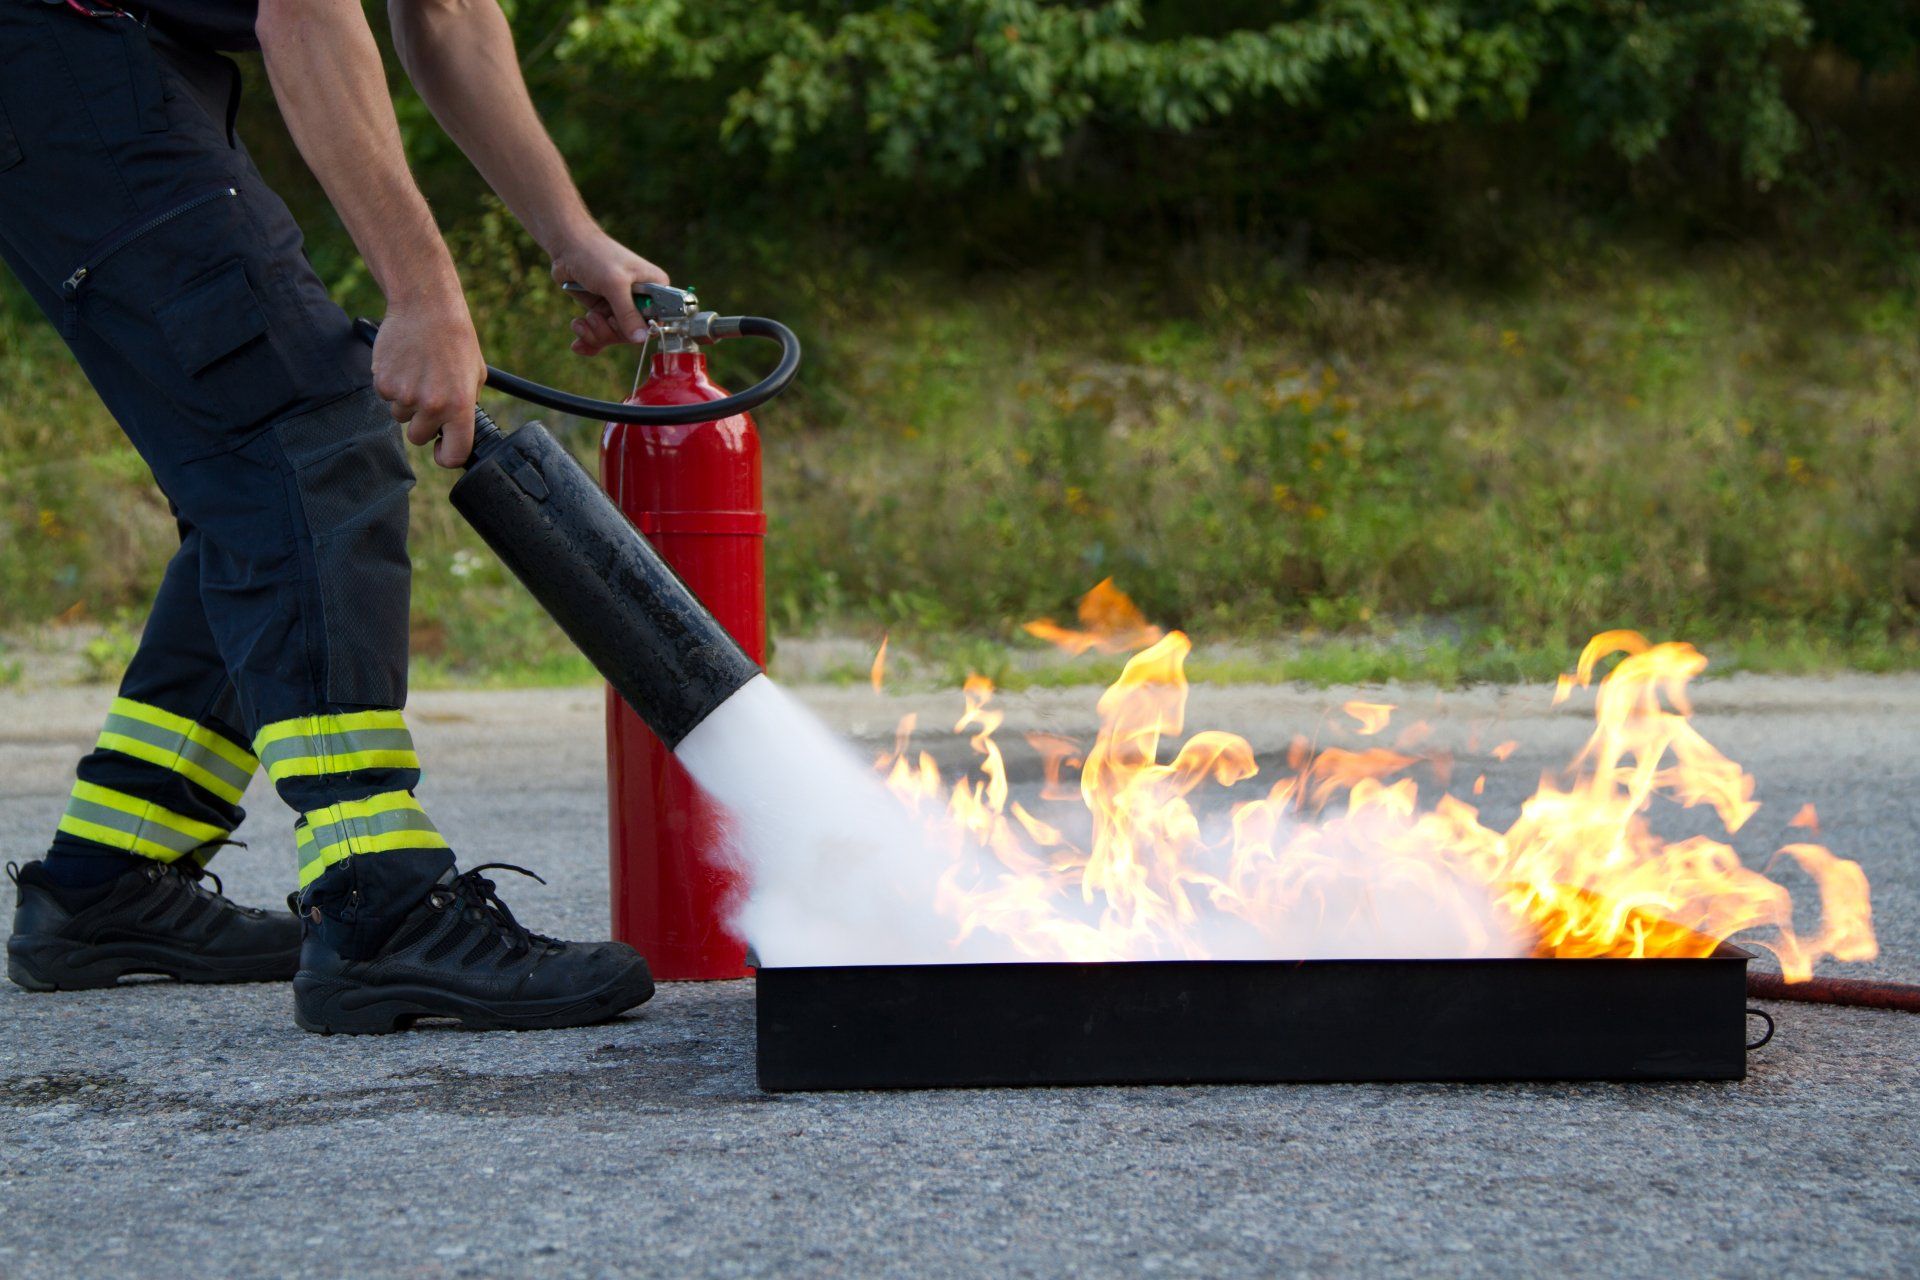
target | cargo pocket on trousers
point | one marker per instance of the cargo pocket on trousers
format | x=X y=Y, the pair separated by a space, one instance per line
x=351 y=468
x=9 y=144
x=143 y=76
x=218 y=332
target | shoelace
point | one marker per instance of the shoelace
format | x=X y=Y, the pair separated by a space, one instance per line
x=189 y=871
x=193 y=873
x=476 y=891
x=193 y=868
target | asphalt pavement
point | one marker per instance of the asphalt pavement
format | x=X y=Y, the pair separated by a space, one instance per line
x=156 y=1130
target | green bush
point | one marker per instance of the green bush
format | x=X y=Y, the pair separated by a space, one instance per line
x=945 y=88
x=1377 y=125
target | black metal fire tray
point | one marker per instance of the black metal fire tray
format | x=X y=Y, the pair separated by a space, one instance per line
x=1244 y=1022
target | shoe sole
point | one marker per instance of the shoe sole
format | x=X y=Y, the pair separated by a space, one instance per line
x=329 y=1006
x=61 y=964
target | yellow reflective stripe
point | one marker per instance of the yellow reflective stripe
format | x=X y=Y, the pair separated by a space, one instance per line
x=147 y=812
x=313 y=726
x=310 y=746
x=115 y=838
x=172 y=761
x=233 y=753
x=378 y=824
x=385 y=802
x=311 y=869
x=376 y=815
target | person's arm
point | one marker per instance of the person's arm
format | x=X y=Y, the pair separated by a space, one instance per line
x=326 y=75
x=460 y=56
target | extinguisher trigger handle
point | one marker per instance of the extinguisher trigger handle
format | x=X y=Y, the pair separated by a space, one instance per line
x=673 y=315
x=658 y=303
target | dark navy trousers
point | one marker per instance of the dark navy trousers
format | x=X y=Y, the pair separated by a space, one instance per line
x=133 y=215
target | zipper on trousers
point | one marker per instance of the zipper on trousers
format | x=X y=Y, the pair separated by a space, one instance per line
x=71 y=286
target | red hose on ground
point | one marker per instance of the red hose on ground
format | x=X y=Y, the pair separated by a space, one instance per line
x=1869 y=995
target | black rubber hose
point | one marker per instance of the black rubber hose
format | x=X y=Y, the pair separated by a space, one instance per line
x=655 y=415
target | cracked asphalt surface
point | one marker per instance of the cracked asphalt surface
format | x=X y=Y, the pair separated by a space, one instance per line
x=161 y=1130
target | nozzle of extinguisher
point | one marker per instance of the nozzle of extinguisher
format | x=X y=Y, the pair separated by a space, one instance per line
x=487 y=437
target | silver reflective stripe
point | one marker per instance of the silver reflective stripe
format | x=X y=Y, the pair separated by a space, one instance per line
x=177 y=752
x=382 y=823
x=363 y=829
x=121 y=821
x=321 y=745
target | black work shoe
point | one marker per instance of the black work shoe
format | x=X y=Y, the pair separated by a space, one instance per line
x=460 y=954
x=158 y=918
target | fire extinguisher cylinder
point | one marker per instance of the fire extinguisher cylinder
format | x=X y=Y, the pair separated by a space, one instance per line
x=606 y=586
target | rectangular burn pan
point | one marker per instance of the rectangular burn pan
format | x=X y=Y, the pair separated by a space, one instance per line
x=1248 y=1022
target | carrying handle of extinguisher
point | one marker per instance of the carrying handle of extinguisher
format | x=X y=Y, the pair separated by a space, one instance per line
x=648 y=415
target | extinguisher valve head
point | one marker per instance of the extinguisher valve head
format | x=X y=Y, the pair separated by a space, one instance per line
x=675 y=315
x=663 y=304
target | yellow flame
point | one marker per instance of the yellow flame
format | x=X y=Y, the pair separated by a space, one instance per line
x=1340 y=833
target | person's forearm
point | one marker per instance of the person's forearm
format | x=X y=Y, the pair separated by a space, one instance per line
x=460 y=56
x=326 y=75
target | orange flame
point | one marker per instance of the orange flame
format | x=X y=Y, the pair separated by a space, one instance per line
x=1109 y=622
x=1373 y=716
x=878 y=675
x=1338 y=851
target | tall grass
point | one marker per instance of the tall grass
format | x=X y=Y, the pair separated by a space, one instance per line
x=1712 y=446
x=1724 y=445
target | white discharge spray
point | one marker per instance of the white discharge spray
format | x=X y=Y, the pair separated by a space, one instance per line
x=838 y=871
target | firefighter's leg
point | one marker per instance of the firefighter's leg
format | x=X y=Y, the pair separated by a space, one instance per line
x=136 y=219
x=165 y=777
x=133 y=216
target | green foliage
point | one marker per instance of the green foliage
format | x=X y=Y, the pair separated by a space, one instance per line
x=948 y=88
x=79 y=519
x=1877 y=35
x=106 y=656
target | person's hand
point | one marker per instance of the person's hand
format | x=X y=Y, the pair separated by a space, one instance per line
x=427 y=366
x=610 y=271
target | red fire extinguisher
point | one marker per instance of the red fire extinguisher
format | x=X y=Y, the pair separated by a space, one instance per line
x=694 y=492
